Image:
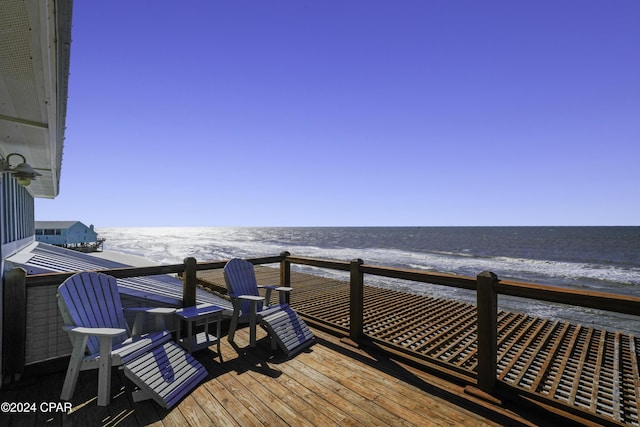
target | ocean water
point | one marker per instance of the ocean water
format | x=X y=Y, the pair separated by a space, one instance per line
x=604 y=259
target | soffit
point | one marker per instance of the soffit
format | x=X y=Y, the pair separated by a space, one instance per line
x=34 y=65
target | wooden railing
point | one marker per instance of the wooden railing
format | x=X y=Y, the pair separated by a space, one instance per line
x=486 y=284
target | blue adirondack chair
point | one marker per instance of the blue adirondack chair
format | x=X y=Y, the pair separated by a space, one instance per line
x=284 y=326
x=92 y=312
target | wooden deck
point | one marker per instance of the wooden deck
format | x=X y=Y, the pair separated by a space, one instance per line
x=579 y=369
x=331 y=383
x=328 y=384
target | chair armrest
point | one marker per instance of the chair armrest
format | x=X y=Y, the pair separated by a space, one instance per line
x=160 y=314
x=162 y=311
x=282 y=293
x=253 y=302
x=250 y=297
x=95 y=332
x=267 y=295
x=275 y=288
x=80 y=335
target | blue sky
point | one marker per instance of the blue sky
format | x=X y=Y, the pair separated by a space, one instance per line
x=304 y=113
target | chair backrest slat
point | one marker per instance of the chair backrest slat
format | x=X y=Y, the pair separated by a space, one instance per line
x=92 y=300
x=240 y=278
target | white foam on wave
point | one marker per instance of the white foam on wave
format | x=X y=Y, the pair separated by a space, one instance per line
x=172 y=245
x=469 y=265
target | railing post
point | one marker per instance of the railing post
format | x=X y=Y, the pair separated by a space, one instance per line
x=356 y=301
x=487 y=301
x=285 y=274
x=14 y=323
x=189 y=282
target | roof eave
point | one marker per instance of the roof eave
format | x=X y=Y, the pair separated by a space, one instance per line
x=33 y=120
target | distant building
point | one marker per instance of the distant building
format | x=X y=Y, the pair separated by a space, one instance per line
x=68 y=234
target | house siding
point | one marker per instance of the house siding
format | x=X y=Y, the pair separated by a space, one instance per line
x=16 y=214
x=65 y=233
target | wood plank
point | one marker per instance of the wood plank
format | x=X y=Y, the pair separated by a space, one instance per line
x=231 y=411
x=352 y=414
x=290 y=409
x=381 y=388
x=467 y=334
x=584 y=352
x=525 y=346
x=596 y=374
x=408 y=329
x=247 y=400
x=305 y=412
x=511 y=338
x=194 y=413
x=469 y=355
x=635 y=375
x=448 y=328
x=251 y=398
x=361 y=396
x=615 y=398
x=535 y=356
x=568 y=350
x=555 y=348
x=433 y=309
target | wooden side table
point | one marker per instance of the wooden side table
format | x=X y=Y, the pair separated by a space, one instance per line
x=195 y=315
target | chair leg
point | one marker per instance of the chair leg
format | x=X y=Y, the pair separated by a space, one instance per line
x=77 y=356
x=252 y=323
x=104 y=371
x=267 y=297
x=234 y=322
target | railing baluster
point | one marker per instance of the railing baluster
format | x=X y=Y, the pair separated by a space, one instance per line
x=285 y=274
x=487 y=298
x=356 y=306
x=189 y=282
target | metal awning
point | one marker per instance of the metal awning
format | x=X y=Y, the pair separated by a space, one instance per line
x=39 y=258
